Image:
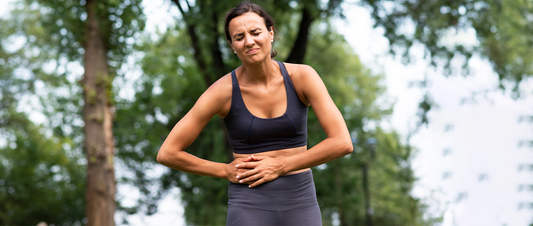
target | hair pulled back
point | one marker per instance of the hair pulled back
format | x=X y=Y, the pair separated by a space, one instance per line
x=247 y=7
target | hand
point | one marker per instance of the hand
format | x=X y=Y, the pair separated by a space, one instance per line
x=261 y=169
x=232 y=171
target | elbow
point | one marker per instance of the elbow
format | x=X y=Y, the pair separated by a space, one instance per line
x=346 y=147
x=162 y=157
x=169 y=157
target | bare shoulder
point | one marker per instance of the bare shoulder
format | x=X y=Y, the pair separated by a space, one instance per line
x=305 y=80
x=300 y=71
x=218 y=95
x=221 y=88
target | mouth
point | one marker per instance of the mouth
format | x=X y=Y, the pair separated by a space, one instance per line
x=252 y=51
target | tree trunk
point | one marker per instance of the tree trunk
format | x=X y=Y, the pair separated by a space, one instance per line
x=339 y=195
x=299 y=48
x=98 y=114
x=366 y=190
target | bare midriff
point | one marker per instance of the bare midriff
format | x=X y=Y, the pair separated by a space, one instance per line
x=278 y=154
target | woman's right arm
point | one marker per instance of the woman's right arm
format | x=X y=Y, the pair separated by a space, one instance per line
x=172 y=153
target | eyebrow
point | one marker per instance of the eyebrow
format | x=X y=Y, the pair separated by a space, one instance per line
x=251 y=31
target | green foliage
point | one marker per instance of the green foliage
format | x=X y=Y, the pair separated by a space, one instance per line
x=53 y=36
x=40 y=176
x=41 y=58
x=352 y=86
x=34 y=68
x=169 y=87
x=64 y=22
x=391 y=179
x=51 y=53
x=41 y=179
x=503 y=29
x=359 y=95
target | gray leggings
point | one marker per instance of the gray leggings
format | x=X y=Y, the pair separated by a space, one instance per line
x=288 y=200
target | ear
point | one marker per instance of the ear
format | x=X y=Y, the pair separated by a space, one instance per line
x=229 y=42
x=271 y=32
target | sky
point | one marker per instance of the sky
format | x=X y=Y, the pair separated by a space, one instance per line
x=468 y=159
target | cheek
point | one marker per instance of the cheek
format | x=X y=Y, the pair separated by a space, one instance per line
x=237 y=45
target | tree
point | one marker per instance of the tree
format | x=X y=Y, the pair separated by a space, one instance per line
x=97 y=114
x=41 y=178
x=503 y=29
x=97 y=35
x=357 y=188
x=170 y=84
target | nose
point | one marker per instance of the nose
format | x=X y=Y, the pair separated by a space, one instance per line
x=249 y=40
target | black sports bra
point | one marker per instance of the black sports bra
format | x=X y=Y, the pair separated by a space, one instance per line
x=249 y=134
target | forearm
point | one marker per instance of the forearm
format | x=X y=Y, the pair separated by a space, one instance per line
x=265 y=169
x=327 y=150
x=183 y=161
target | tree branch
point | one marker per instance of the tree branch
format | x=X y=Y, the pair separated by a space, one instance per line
x=195 y=44
x=218 y=63
x=177 y=2
x=299 y=48
x=188 y=5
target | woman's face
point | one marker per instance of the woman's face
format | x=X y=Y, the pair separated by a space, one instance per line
x=250 y=38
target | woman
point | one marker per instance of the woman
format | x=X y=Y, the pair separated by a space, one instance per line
x=264 y=105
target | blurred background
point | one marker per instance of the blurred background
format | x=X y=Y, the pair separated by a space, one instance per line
x=437 y=96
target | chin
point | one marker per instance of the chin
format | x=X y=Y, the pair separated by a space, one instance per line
x=255 y=59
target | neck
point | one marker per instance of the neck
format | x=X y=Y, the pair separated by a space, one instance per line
x=259 y=73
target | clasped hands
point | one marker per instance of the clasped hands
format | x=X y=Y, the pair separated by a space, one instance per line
x=254 y=170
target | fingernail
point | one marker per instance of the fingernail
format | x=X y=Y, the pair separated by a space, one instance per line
x=236 y=165
x=237 y=177
x=240 y=181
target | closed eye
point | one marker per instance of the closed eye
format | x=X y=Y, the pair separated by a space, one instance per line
x=238 y=37
x=254 y=32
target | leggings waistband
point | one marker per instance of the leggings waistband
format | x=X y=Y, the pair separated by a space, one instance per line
x=284 y=193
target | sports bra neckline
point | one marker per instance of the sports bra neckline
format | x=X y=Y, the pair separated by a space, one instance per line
x=234 y=76
x=249 y=134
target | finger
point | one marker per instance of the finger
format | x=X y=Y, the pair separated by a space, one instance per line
x=246 y=165
x=247 y=159
x=250 y=178
x=247 y=174
x=240 y=171
x=257 y=183
x=257 y=158
x=236 y=161
x=251 y=175
x=236 y=181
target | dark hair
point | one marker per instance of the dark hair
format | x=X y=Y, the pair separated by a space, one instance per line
x=247 y=7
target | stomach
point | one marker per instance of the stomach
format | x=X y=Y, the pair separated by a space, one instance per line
x=278 y=154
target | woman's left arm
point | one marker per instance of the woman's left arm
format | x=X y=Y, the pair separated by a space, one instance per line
x=337 y=143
